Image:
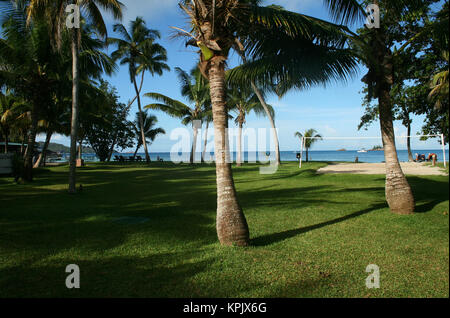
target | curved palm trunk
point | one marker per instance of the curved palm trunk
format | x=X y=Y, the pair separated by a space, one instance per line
x=41 y=160
x=75 y=102
x=239 y=145
x=206 y=141
x=194 y=143
x=399 y=195
x=141 y=122
x=272 y=123
x=28 y=164
x=136 y=151
x=231 y=224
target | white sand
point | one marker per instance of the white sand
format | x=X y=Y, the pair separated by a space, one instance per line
x=409 y=168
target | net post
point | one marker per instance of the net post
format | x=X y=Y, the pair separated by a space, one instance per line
x=443 y=150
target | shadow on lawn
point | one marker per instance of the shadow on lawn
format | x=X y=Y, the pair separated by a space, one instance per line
x=281 y=236
x=157 y=275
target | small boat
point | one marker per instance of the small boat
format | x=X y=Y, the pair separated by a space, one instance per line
x=362 y=150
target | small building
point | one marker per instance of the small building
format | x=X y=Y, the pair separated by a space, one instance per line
x=13 y=147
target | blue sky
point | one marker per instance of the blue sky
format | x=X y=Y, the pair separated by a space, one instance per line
x=333 y=111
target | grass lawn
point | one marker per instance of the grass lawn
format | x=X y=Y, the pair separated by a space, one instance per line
x=150 y=232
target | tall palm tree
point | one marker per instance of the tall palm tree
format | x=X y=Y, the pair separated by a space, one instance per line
x=244 y=101
x=377 y=49
x=54 y=11
x=150 y=131
x=216 y=24
x=195 y=89
x=309 y=138
x=138 y=49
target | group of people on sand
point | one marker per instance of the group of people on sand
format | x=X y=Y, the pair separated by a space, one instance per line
x=422 y=157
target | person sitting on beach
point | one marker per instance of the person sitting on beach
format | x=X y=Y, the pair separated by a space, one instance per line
x=430 y=156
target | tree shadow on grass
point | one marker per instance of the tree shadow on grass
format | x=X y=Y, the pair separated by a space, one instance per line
x=156 y=275
x=281 y=236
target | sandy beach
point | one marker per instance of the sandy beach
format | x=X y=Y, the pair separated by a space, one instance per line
x=409 y=168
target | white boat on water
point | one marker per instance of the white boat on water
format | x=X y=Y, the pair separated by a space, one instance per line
x=362 y=150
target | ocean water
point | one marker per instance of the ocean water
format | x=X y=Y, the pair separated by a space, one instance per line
x=342 y=156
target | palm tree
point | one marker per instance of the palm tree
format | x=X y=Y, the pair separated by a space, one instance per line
x=11 y=107
x=377 y=49
x=138 y=49
x=196 y=90
x=54 y=11
x=216 y=27
x=30 y=67
x=439 y=84
x=150 y=132
x=244 y=101
x=309 y=138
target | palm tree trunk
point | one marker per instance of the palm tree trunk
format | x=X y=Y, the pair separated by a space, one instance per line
x=75 y=102
x=408 y=142
x=41 y=160
x=6 y=142
x=399 y=195
x=80 y=150
x=239 y=145
x=206 y=141
x=28 y=164
x=136 y=151
x=194 y=143
x=231 y=224
x=141 y=121
x=111 y=150
x=272 y=123
x=307 y=157
x=22 y=144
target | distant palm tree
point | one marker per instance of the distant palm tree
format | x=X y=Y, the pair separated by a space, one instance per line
x=310 y=137
x=138 y=49
x=195 y=88
x=149 y=131
x=243 y=101
x=11 y=107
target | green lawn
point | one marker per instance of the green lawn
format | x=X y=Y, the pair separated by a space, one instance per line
x=312 y=235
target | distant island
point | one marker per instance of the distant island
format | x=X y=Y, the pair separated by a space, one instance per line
x=61 y=148
x=342 y=150
x=377 y=148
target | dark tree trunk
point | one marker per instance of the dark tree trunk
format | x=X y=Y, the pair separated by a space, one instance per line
x=231 y=224
x=42 y=157
x=28 y=164
x=6 y=141
x=75 y=104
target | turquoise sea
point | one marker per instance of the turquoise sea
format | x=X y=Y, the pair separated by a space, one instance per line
x=343 y=156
